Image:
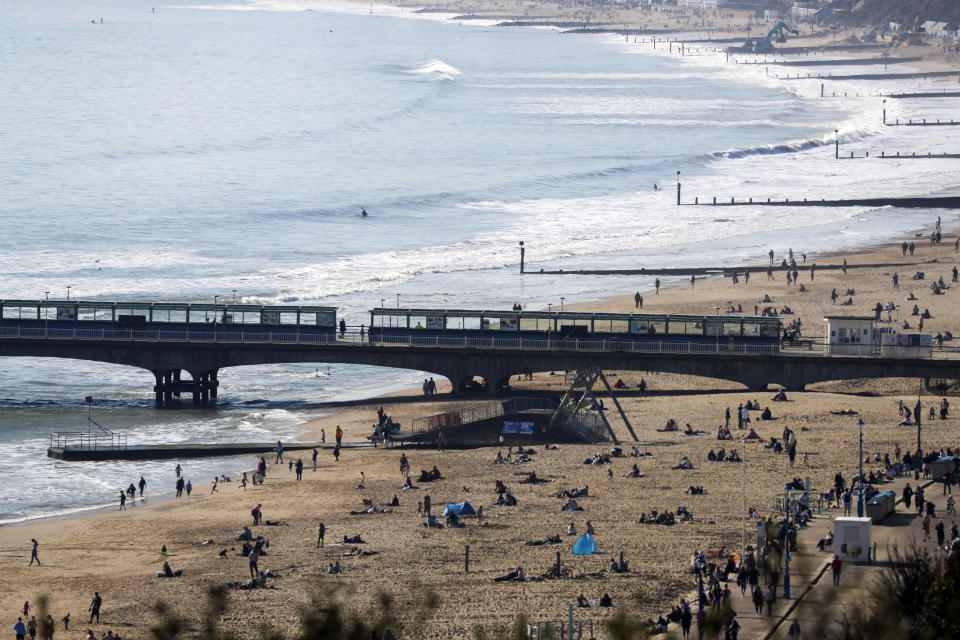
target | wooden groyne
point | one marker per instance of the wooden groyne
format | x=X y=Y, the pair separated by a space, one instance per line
x=715 y=271
x=831 y=63
x=936 y=202
x=922 y=123
x=925 y=94
x=901 y=156
x=874 y=76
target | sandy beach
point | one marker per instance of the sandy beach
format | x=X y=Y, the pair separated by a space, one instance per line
x=118 y=553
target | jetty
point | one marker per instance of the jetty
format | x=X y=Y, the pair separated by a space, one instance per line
x=88 y=446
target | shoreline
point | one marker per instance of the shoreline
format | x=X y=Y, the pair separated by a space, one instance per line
x=120 y=550
x=309 y=429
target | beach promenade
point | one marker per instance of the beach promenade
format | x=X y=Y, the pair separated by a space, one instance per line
x=815 y=603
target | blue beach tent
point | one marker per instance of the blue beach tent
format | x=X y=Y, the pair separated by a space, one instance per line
x=459 y=508
x=584 y=546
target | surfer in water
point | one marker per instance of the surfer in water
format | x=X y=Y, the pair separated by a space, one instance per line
x=655 y=187
x=363 y=211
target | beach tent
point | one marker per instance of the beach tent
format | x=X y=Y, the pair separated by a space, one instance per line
x=584 y=546
x=459 y=508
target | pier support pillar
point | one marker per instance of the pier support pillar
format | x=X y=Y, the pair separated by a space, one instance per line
x=214 y=383
x=158 y=389
x=176 y=380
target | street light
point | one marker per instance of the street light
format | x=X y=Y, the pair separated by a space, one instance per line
x=860 y=496
x=47 y=294
x=522 y=251
x=215 y=299
x=561 y=302
x=836 y=144
x=398 y=301
x=68 y=291
x=234 y=296
x=382 y=300
x=549 y=307
x=786 y=547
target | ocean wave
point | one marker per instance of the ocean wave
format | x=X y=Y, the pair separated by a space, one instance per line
x=433 y=71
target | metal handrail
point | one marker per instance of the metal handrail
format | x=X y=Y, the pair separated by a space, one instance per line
x=479 y=412
x=355 y=338
x=87 y=440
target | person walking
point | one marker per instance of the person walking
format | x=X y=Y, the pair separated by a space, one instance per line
x=279 y=453
x=143 y=485
x=847 y=500
x=299 y=468
x=123 y=501
x=941 y=533
x=907 y=495
x=836 y=566
x=656 y=285
x=770 y=598
x=339 y=435
x=213 y=489
x=180 y=485
x=726 y=418
x=95 y=605
x=758 y=600
x=314 y=455
x=321 y=531
x=33 y=554
x=20 y=629
x=925 y=525
x=254 y=569
x=686 y=618
x=32 y=627
x=50 y=628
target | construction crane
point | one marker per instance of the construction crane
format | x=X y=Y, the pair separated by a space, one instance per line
x=779 y=32
x=916 y=35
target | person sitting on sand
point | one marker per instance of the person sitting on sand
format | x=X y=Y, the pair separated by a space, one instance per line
x=167 y=572
x=605 y=601
x=689 y=430
x=671 y=425
x=753 y=435
x=516 y=575
x=684 y=464
x=571 y=505
x=590 y=528
x=712 y=457
x=734 y=456
x=766 y=414
x=634 y=472
x=572 y=531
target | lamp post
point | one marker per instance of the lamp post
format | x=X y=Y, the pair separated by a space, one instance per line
x=860 y=482
x=836 y=144
x=215 y=299
x=678 y=188
x=786 y=555
x=234 y=296
x=523 y=250
x=884 y=108
x=398 y=301
x=549 y=307
x=382 y=300
x=561 y=302
x=68 y=290
x=47 y=295
x=916 y=414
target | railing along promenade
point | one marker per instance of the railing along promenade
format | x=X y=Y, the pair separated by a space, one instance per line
x=354 y=338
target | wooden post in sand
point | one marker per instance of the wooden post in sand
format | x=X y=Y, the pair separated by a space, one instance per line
x=466 y=559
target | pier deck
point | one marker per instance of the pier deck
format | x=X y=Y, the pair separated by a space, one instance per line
x=188 y=450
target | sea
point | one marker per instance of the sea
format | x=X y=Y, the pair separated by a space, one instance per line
x=188 y=151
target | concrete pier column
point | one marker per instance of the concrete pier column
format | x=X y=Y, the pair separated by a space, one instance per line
x=196 y=387
x=167 y=381
x=158 y=389
x=176 y=379
x=214 y=383
x=205 y=388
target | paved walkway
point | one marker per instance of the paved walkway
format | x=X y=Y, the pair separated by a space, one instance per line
x=813 y=595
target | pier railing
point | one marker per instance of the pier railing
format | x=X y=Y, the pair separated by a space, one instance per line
x=357 y=339
x=88 y=440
